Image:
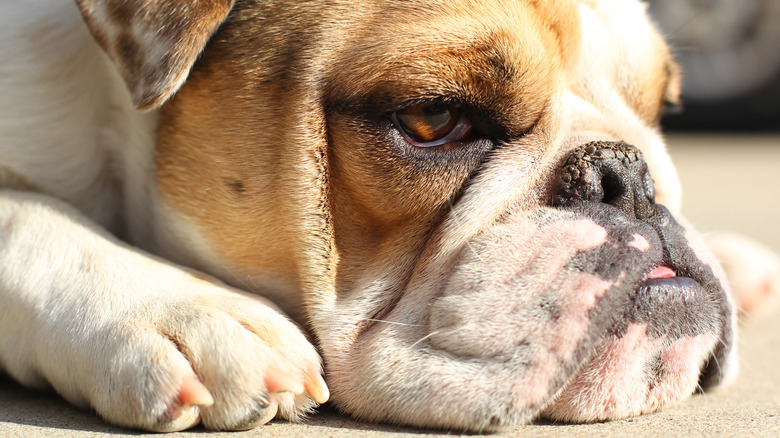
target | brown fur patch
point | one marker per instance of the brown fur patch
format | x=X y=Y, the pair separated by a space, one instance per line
x=122 y=13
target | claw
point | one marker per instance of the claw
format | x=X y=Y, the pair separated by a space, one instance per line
x=316 y=387
x=277 y=381
x=193 y=393
x=184 y=411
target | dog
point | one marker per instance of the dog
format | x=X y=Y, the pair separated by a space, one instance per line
x=464 y=209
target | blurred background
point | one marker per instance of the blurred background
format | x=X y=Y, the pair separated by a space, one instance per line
x=726 y=140
x=729 y=51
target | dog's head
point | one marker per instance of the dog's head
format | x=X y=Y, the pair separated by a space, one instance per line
x=468 y=202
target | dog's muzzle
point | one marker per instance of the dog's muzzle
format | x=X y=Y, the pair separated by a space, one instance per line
x=598 y=306
x=615 y=173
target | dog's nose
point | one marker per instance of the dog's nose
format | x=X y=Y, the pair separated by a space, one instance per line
x=606 y=172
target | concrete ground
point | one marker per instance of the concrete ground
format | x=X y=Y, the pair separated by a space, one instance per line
x=730 y=183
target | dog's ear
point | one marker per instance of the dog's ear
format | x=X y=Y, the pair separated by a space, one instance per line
x=153 y=42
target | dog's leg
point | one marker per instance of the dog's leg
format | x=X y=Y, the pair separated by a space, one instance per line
x=144 y=343
x=752 y=269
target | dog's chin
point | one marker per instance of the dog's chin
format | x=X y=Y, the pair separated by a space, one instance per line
x=651 y=359
x=575 y=314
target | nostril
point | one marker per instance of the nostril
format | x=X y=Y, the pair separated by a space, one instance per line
x=612 y=187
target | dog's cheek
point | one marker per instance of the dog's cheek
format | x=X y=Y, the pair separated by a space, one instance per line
x=515 y=319
x=520 y=285
x=509 y=296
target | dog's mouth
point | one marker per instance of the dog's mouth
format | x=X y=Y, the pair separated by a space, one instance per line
x=642 y=298
x=676 y=328
x=672 y=307
x=665 y=305
x=661 y=272
x=684 y=293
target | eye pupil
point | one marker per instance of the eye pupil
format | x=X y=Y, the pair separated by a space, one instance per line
x=428 y=122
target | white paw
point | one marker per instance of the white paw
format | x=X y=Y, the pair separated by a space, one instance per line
x=215 y=357
x=752 y=269
x=143 y=342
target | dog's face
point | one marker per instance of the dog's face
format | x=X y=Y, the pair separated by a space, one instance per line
x=469 y=204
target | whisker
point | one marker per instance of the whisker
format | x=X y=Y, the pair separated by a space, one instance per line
x=210 y=188
x=393 y=322
x=425 y=337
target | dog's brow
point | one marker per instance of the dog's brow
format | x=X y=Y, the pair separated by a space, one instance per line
x=502 y=96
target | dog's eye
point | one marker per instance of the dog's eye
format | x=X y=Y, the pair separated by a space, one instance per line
x=432 y=124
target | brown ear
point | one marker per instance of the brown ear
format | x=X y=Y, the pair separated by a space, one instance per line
x=153 y=42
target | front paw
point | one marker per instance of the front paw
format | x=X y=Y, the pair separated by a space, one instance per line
x=221 y=358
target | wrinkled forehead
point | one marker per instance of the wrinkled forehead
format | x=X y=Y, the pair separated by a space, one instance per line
x=420 y=26
x=510 y=55
x=454 y=49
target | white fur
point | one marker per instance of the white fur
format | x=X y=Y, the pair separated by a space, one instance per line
x=104 y=324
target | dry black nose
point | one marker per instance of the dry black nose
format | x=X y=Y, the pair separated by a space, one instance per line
x=607 y=172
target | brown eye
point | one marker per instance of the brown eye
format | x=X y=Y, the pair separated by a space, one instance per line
x=432 y=124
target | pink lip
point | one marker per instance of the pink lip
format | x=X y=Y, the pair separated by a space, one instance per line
x=661 y=272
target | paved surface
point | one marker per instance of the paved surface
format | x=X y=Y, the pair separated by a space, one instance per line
x=730 y=184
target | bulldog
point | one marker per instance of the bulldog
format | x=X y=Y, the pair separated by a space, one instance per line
x=465 y=207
